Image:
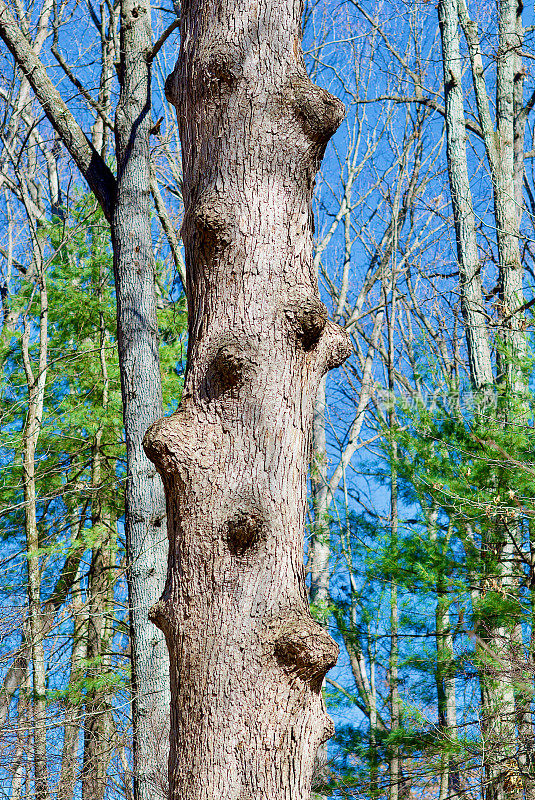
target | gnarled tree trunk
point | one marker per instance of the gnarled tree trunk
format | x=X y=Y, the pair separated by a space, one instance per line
x=247 y=659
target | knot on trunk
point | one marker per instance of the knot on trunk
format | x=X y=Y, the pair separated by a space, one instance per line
x=308 y=317
x=328 y=729
x=159 y=615
x=171 y=89
x=220 y=70
x=304 y=647
x=318 y=111
x=245 y=530
x=339 y=346
x=185 y=441
x=212 y=219
x=226 y=371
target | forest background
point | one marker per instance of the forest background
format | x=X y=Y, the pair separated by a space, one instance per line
x=420 y=554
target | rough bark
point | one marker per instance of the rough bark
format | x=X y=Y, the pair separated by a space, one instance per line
x=247 y=659
x=137 y=332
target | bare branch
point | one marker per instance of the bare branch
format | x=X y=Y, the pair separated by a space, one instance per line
x=92 y=166
x=471 y=126
x=163 y=38
x=168 y=228
x=78 y=84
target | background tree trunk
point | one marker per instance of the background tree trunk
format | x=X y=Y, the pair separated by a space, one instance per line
x=36 y=392
x=318 y=557
x=72 y=722
x=247 y=658
x=503 y=140
x=461 y=196
x=137 y=333
x=126 y=204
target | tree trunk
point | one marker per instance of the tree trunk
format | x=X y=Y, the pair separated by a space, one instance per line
x=461 y=196
x=32 y=428
x=71 y=722
x=445 y=680
x=504 y=168
x=98 y=723
x=394 y=766
x=320 y=545
x=137 y=331
x=247 y=659
x=393 y=667
x=503 y=144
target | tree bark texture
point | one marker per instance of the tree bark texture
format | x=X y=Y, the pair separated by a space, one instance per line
x=137 y=331
x=247 y=659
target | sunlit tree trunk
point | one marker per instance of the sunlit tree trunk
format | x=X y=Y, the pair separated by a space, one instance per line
x=477 y=340
x=247 y=659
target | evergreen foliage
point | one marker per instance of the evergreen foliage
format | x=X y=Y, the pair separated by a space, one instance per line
x=79 y=513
